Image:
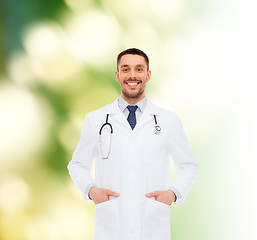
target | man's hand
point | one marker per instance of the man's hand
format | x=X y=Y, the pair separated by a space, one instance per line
x=99 y=195
x=167 y=197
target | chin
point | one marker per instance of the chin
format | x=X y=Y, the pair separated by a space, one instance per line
x=132 y=95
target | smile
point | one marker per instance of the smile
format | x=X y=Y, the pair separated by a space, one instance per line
x=132 y=83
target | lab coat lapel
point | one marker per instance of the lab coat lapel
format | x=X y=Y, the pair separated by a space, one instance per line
x=117 y=114
x=148 y=115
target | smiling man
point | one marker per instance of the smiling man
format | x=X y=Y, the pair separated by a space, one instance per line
x=132 y=74
x=132 y=140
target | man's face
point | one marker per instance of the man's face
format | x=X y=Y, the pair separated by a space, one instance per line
x=132 y=75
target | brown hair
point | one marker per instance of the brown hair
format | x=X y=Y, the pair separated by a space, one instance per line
x=133 y=51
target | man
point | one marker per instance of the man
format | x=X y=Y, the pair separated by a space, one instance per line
x=132 y=190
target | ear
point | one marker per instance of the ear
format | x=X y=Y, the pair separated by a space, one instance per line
x=148 y=77
x=117 y=76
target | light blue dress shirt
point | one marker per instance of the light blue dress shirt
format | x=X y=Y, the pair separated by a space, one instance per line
x=141 y=107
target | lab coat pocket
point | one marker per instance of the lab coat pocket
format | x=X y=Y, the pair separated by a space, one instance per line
x=106 y=221
x=156 y=221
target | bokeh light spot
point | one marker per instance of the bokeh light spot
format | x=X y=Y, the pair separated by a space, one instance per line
x=95 y=34
x=23 y=125
x=14 y=194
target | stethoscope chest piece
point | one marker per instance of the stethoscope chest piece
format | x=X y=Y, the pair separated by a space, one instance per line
x=157 y=129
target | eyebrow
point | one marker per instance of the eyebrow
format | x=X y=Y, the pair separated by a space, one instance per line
x=122 y=66
x=138 y=65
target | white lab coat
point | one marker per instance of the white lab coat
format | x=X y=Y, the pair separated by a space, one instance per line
x=139 y=163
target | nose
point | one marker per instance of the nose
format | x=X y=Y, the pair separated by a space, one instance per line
x=133 y=74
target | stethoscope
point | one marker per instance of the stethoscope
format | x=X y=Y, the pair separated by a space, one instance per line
x=157 y=130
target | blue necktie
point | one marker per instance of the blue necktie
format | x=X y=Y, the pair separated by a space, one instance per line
x=132 y=116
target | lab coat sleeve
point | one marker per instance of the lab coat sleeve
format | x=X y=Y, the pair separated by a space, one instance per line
x=184 y=161
x=81 y=164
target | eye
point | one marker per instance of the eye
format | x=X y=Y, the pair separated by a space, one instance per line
x=124 y=70
x=140 y=69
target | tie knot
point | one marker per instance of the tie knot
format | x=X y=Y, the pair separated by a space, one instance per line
x=132 y=108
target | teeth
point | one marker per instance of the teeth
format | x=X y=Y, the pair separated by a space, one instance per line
x=132 y=84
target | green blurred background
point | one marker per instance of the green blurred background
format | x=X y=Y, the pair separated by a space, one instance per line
x=57 y=62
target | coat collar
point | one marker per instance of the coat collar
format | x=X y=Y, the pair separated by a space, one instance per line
x=150 y=110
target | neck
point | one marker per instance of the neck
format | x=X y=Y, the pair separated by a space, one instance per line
x=132 y=101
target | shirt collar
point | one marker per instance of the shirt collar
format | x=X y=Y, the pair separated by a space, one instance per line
x=123 y=104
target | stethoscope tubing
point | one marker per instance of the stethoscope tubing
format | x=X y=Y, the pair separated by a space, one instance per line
x=106 y=123
x=157 y=131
